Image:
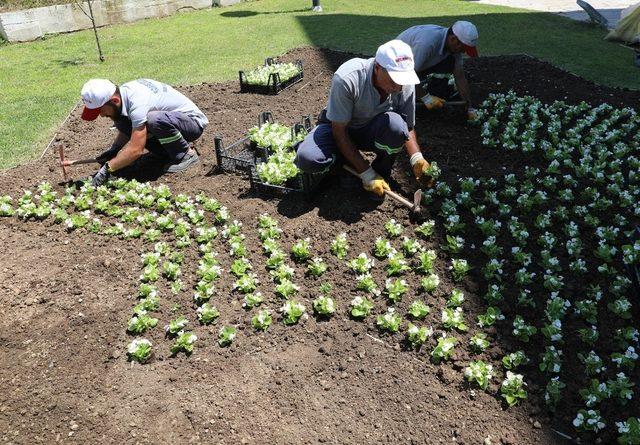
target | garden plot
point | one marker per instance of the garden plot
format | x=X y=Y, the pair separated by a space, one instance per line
x=395 y=332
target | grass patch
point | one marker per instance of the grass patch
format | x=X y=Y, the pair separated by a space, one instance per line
x=41 y=80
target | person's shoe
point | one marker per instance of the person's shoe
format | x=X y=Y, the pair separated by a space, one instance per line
x=189 y=159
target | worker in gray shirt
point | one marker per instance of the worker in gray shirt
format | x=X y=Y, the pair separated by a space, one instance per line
x=148 y=115
x=371 y=107
x=438 y=50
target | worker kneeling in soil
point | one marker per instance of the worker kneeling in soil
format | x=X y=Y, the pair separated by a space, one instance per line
x=147 y=114
x=438 y=51
x=371 y=107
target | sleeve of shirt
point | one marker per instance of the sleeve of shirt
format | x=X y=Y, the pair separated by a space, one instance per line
x=340 y=105
x=408 y=108
x=421 y=55
x=138 y=108
x=138 y=115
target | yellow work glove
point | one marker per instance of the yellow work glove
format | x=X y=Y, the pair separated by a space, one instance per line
x=472 y=114
x=373 y=182
x=419 y=165
x=432 y=102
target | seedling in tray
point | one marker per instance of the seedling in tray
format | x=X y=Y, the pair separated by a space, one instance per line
x=271 y=78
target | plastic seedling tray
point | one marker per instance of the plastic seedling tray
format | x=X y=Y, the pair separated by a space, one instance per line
x=304 y=183
x=242 y=155
x=274 y=84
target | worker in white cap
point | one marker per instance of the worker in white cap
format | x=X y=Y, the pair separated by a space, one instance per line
x=371 y=107
x=155 y=126
x=439 y=50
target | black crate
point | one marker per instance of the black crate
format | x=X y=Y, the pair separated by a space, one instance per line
x=240 y=156
x=274 y=85
x=303 y=184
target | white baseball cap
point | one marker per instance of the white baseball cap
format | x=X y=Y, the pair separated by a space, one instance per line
x=95 y=93
x=467 y=33
x=396 y=57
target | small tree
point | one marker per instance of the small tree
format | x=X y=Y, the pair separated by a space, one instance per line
x=89 y=13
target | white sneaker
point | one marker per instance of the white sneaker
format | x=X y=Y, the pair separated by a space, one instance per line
x=190 y=158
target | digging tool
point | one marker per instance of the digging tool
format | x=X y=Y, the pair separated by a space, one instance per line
x=65 y=163
x=417 y=196
x=62 y=164
x=455 y=103
x=82 y=161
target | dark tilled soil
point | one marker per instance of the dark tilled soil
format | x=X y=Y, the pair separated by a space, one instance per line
x=65 y=301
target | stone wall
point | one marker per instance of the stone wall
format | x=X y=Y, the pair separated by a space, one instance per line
x=30 y=24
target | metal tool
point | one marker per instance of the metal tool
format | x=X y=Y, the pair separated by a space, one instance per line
x=417 y=196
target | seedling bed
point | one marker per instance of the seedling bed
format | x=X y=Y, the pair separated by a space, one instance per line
x=48 y=304
x=274 y=85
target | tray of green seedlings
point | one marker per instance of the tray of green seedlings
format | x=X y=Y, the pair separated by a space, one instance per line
x=240 y=156
x=275 y=173
x=272 y=77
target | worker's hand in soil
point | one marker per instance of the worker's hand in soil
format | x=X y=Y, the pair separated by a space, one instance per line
x=420 y=166
x=472 y=114
x=433 y=102
x=101 y=176
x=373 y=182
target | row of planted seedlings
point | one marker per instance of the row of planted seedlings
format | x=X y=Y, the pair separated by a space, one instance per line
x=175 y=224
x=421 y=262
x=409 y=258
x=553 y=245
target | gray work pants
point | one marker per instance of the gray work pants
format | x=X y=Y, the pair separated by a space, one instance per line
x=385 y=135
x=169 y=133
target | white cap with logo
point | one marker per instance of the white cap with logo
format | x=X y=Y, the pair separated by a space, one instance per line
x=467 y=33
x=95 y=93
x=396 y=57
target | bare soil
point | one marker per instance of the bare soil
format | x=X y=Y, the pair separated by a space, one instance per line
x=65 y=300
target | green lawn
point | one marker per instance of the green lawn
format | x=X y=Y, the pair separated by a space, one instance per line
x=40 y=81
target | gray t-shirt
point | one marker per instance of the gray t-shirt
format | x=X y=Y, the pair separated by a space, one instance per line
x=355 y=100
x=428 y=45
x=141 y=96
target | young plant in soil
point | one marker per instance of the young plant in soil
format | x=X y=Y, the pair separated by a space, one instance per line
x=417 y=336
x=324 y=305
x=479 y=373
x=389 y=322
x=361 y=307
x=207 y=314
x=512 y=388
x=444 y=349
x=184 y=342
x=262 y=320
x=226 y=336
x=140 y=350
x=292 y=311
